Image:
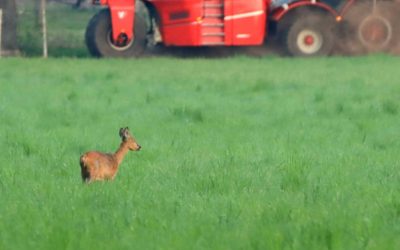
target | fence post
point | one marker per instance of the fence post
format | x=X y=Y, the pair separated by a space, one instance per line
x=1 y=32
x=44 y=27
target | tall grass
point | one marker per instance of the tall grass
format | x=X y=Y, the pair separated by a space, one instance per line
x=237 y=153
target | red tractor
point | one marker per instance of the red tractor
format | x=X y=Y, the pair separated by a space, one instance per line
x=304 y=27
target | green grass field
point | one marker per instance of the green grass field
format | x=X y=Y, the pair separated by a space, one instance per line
x=238 y=153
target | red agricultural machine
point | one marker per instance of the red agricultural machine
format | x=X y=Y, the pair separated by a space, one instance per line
x=303 y=27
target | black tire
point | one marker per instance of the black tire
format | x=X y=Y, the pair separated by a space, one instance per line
x=309 y=34
x=369 y=30
x=98 y=37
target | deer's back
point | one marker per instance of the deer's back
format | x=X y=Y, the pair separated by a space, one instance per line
x=97 y=166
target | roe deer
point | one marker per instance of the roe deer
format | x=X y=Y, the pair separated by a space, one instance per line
x=97 y=166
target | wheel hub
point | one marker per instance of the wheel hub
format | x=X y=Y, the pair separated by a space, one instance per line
x=121 y=43
x=309 y=41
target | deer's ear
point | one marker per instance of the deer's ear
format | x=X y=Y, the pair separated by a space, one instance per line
x=126 y=132
x=121 y=132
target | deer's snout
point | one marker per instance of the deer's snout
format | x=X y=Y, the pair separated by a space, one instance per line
x=138 y=147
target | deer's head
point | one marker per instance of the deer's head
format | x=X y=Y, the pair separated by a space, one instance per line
x=128 y=139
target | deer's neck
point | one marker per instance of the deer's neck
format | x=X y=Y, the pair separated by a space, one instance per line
x=121 y=152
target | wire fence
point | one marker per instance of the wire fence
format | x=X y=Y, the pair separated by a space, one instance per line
x=66 y=24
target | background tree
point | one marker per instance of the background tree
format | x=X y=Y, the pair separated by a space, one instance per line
x=9 y=27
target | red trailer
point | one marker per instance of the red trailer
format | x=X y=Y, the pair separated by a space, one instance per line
x=304 y=27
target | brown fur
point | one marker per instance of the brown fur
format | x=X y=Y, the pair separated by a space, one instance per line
x=97 y=166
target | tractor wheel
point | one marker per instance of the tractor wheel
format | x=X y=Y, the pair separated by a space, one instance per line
x=99 y=41
x=309 y=35
x=371 y=28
